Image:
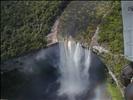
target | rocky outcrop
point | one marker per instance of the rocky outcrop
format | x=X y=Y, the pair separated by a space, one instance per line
x=127 y=75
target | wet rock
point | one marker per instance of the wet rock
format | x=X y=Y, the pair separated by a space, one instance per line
x=129 y=92
x=127 y=74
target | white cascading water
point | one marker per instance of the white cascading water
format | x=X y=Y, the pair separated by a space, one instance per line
x=74 y=78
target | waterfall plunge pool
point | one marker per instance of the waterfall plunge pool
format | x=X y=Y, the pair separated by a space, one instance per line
x=40 y=76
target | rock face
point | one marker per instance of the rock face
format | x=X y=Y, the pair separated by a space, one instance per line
x=127 y=74
x=129 y=92
x=52 y=36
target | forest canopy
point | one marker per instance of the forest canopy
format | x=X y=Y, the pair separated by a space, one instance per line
x=24 y=25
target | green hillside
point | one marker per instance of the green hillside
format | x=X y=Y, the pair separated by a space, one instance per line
x=24 y=25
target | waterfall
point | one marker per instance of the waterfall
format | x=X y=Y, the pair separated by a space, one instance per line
x=74 y=66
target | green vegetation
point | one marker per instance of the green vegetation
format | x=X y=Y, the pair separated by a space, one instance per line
x=111 y=35
x=114 y=91
x=24 y=25
x=111 y=38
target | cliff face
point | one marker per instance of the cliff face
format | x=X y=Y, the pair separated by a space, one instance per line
x=79 y=17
